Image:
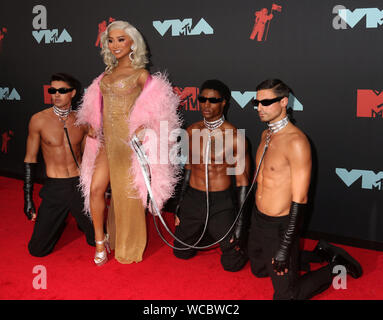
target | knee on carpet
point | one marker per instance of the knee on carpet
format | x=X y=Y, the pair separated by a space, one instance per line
x=233 y=262
x=287 y=293
x=258 y=272
x=184 y=254
x=37 y=252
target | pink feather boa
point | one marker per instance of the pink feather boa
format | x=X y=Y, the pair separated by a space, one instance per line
x=157 y=102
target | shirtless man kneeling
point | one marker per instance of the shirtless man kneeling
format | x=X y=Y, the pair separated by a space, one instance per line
x=60 y=193
x=192 y=208
x=280 y=203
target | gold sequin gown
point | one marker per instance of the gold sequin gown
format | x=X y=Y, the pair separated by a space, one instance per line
x=126 y=217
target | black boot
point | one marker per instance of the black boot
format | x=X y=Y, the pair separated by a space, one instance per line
x=337 y=256
x=320 y=251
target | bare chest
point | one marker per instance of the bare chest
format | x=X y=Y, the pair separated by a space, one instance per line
x=53 y=134
x=214 y=147
x=275 y=163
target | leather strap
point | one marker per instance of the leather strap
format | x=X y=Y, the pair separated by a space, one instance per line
x=70 y=146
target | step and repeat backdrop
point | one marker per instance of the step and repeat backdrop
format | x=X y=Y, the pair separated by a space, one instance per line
x=329 y=52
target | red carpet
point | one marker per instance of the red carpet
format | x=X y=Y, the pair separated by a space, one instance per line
x=71 y=273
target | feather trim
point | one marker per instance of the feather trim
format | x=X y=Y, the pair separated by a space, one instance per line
x=155 y=109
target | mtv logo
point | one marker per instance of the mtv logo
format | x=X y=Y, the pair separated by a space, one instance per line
x=244 y=98
x=188 y=96
x=370 y=180
x=374 y=16
x=101 y=28
x=369 y=104
x=51 y=36
x=3 y=31
x=184 y=27
x=47 y=96
x=6 y=94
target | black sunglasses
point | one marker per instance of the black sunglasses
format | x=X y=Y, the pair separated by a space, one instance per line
x=211 y=100
x=52 y=90
x=266 y=102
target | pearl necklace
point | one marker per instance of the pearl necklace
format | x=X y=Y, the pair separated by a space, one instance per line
x=279 y=125
x=212 y=125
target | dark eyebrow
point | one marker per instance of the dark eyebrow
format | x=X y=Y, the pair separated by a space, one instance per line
x=119 y=37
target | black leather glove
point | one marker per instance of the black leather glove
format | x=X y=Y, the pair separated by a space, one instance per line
x=184 y=186
x=282 y=256
x=240 y=225
x=29 y=172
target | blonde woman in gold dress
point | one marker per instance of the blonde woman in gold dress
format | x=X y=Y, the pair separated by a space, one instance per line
x=122 y=102
x=124 y=53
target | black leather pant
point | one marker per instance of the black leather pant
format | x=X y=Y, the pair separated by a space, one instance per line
x=264 y=239
x=221 y=216
x=59 y=197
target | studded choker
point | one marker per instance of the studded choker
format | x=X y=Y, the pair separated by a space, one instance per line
x=279 y=125
x=62 y=113
x=212 y=125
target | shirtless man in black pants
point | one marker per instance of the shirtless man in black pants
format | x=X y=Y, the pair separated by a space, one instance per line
x=223 y=209
x=60 y=193
x=280 y=203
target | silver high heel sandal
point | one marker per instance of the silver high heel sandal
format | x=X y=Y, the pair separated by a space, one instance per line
x=101 y=257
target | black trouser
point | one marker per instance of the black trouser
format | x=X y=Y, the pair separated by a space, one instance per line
x=59 y=197
x=222 y=213
x=264 y=240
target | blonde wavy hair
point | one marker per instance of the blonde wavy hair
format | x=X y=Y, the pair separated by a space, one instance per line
x=139 y=47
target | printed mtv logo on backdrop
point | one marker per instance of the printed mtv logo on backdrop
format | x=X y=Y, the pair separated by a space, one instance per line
x=52 y=36
x=101 y=28
x=262 y=22
x=184 y=27
x=243 y=99
x=41 y=32
x=350 y=18
x=188 y=96
x=47 y=96
x=3 y=32
x=369 y=104
x=5 y=138
x=9 y=94
x=370 y=180
x=294 y=103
